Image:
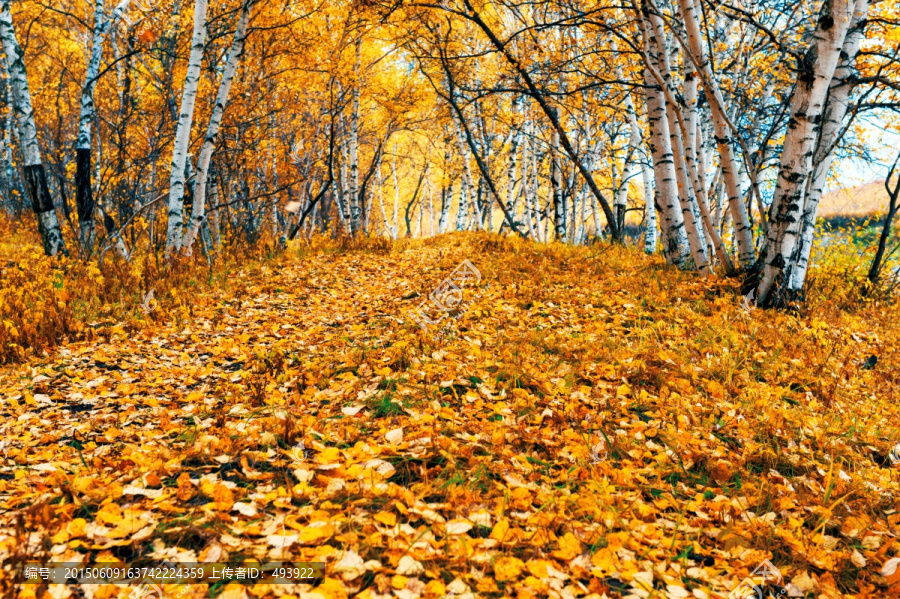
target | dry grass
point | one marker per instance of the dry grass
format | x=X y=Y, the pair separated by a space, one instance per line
x=863 y=200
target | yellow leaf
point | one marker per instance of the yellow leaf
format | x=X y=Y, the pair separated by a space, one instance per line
x=110 y=513
x=507 y=568
x=538 y=567
x=223 y=497
x=399 y=582
x=500 y=530
x=386 y=518
x=331 y=588
x=131 y=523
x=315 y=534
x=569 y=547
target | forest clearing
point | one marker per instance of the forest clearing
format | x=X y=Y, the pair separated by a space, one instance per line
x=449 y=299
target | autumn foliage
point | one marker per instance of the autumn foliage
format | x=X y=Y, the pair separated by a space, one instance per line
x=230 y=330
x=594 y=424
x=46 y=301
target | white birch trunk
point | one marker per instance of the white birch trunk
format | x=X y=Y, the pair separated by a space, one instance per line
x=84 y=199
x=35 y=176
x=796 y=157
x=381 y=204
x=396 y=227
x=559 y=209
x=646 y=175
x=430 y=211
x=675 y=243
x=344 y=194
x=581 y=233
x=467 y=189
x=273 y=198
x=528 y=209
x=686 y=191
x=743 y=232
x=198 y=211
x=512 y=171
x=589 y=164
x=354 y=146
x=419 y=232
x=696 y=166
x=463 y=210
x=649 y=210
x=446 y=197
x=634 y=141
x=183 y=130
x=214 y=227
x=368 y=216
x=620 y=198
x=83 y=196
x=832 y=123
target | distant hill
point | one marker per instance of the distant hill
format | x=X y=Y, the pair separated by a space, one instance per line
x=863 y=200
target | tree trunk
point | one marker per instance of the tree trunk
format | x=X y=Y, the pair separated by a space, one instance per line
x=646 y=174
x=539 y=97
x=743 y=231
x=183 y=130
x=813 y=81
x=214 y=227
x=832 y=124
x=686 y=191
x=446 y=198
x=675 y=244
x=893 y=206
x=512 y=168
x=526 y=184
x=84 y=197
x=35 y=176
x=198 y=210
x=343 y=195
x=354 y=145
x=559 y=207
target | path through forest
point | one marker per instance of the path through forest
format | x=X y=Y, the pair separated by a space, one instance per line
x=568 y=434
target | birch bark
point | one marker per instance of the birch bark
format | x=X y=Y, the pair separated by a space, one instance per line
x=686 y=191
x=743 y=231
x=512 y=170
x=343 y=194
x=675 y=243
x=396 y=227
x=832 y=123
x=807 y=107
x=35 y=175
x=466 y=189
x=526 y=183
x=646 y=175
x=198 y=210
x=183 y=130
x=384 y=219
x=354 y=145
x=559 y=207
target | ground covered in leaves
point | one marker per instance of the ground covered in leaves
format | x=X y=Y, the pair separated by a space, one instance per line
x=592 y=424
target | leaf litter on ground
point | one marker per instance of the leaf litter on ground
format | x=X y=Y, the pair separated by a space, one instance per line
x=593 y=424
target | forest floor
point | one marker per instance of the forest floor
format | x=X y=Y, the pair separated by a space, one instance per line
x=592 y=423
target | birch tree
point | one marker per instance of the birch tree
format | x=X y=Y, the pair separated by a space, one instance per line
x=675 y=245
x=354 y=144
x=833 y=119
x=198 y=210
x=807 y=105
x=696 y=52
x=34 y=173
x=183 y=130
